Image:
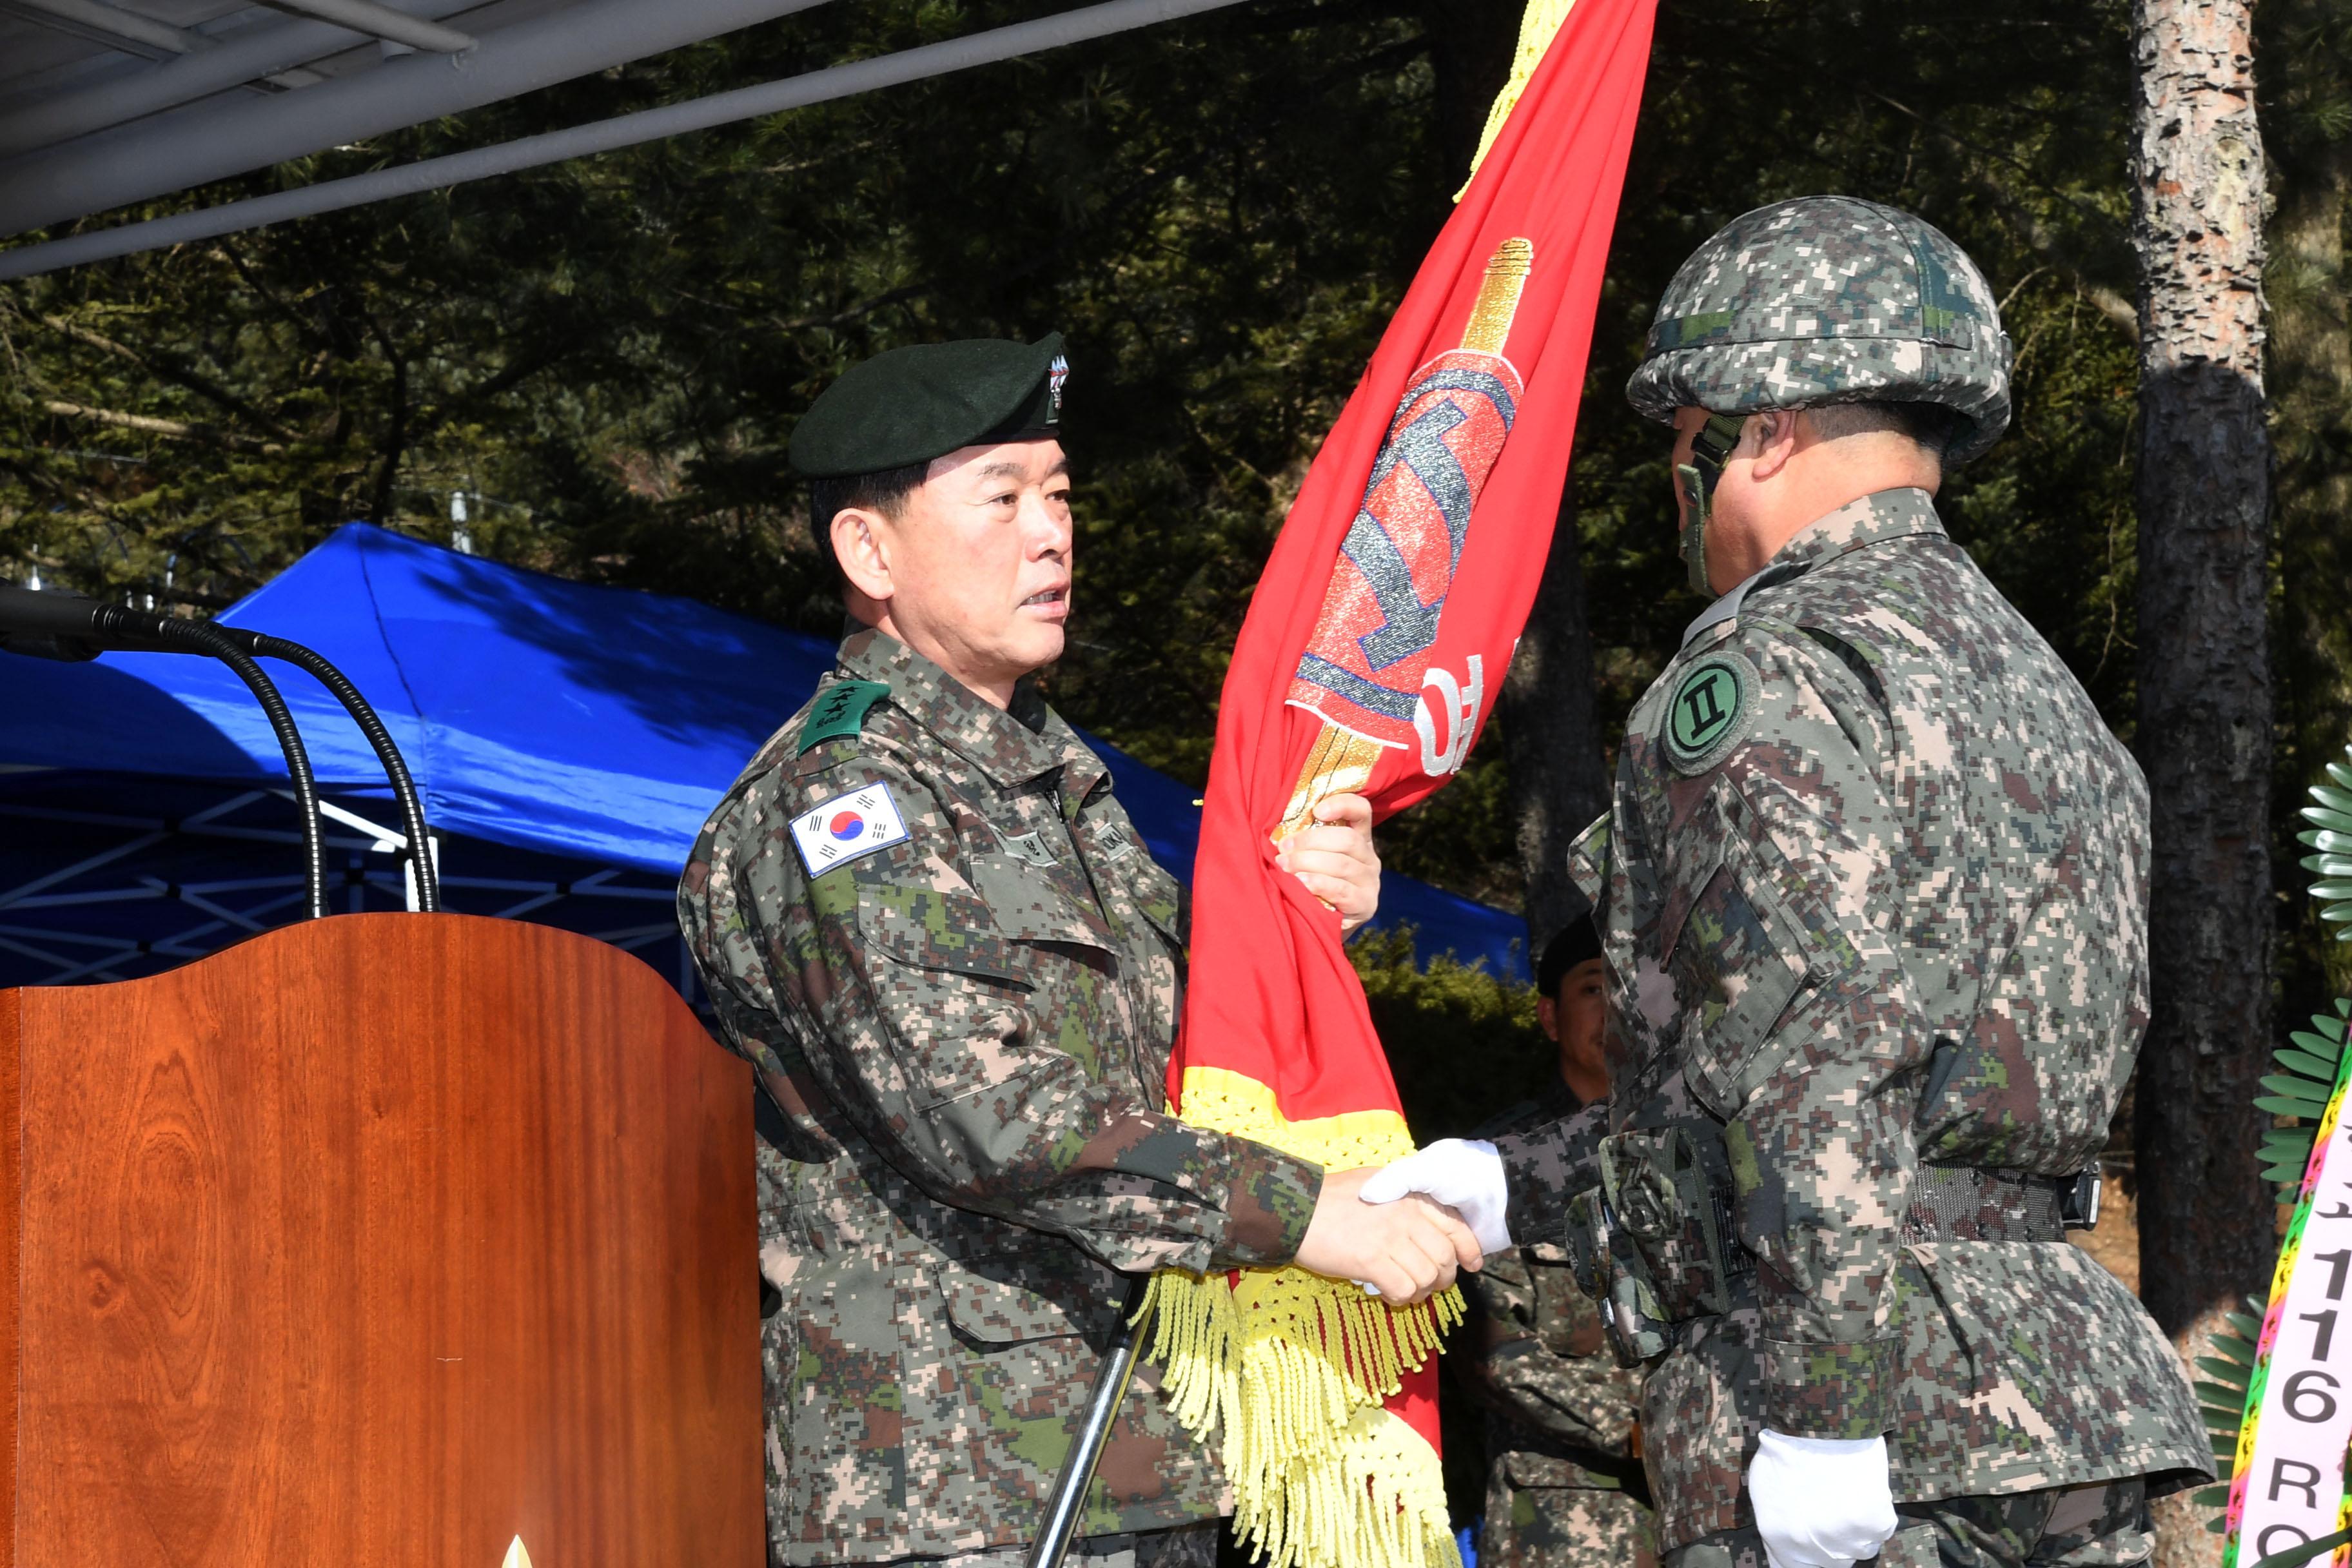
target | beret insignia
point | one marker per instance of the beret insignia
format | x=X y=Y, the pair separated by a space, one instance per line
x=915 y=404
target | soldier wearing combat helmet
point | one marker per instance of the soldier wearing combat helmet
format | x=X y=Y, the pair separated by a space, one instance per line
x=1873 y=898
x=923 y=916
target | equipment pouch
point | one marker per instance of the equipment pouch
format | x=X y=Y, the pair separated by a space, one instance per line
x=1663 y=1196
x=1588 y=1243
x=1607 y=1268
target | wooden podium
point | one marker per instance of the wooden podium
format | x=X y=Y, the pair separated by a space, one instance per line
x=377 y=1240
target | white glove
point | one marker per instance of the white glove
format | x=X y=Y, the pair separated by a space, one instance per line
x=1821 y=1502
x=1466 y=1175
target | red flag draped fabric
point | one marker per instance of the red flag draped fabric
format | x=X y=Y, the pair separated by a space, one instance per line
x=1379 y=636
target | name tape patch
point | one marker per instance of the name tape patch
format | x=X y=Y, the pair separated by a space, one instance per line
x=1711 y=711
x=848 y=827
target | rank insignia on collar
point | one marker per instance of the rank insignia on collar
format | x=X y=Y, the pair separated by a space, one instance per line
x=840 y=710
x=848 y=827
x=1711 y=711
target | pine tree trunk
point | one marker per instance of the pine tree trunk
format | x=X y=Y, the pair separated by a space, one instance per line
x=2206 y=1234
x=1551 y=735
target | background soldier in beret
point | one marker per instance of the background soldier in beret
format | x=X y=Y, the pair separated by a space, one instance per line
x=925 y=919
x=1564 y=1483
x=1874 y=904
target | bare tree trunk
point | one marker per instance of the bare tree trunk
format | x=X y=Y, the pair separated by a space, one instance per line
x=1551 y=734
x=2204 y=675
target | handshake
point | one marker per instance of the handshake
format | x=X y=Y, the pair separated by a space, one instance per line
x=1403 y=1229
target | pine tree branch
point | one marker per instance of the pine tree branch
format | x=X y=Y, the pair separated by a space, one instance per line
x=174 y=429
x=179 y=376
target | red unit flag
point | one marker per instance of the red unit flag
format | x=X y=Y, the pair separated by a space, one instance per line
x=1377 y=638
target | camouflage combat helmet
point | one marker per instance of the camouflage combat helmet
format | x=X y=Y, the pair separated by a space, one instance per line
x=1822 y=299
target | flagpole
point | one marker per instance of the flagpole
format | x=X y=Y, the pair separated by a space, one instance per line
x=1068 y=1499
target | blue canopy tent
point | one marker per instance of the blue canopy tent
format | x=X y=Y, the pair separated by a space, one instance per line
x=568 y=741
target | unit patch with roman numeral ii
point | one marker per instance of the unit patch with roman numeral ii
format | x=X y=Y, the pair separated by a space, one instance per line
x=1712 y=711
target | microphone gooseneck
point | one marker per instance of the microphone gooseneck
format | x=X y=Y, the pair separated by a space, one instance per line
x=208 y=639
x=49 y=624
x=396 y=766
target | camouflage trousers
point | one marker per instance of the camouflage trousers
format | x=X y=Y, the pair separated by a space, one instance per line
x=1190 y=1546
x=1565 y=1527
x=2101 y=1526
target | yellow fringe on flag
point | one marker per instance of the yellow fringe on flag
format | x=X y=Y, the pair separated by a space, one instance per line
x=1536 y=29
x=1291 y=1367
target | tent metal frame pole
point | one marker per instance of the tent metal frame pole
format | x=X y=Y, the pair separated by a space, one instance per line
x=57 y=961
x=603 y=136
x=117 y=27
x=384 y=22
x=16 y=895
x=197 y=901
x=155 y=832
x=243 y=58
x=211 y=142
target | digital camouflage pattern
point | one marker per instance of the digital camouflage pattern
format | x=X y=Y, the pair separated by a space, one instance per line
x=969 y=1032
x=1901 y=919
x=1563 y=1469
x=1828 y=300
x=2076 y=1527
x=1188 y=1546
x=1532 y=1522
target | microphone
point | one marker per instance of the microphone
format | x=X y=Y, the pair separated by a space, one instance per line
x=47 y=624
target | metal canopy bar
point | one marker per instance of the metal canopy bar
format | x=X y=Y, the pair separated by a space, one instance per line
x=213 y=140
x=201 y=826
x=79 y=866
x=249 y=55
x=115 y=26
x=603 y=136
x=383 y=22
x=52 y=959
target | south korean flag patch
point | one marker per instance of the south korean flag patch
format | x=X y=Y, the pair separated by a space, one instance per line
x=848 y=827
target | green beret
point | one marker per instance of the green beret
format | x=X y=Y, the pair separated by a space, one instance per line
x=912 y=404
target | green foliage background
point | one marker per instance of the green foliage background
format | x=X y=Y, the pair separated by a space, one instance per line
x=607 y=356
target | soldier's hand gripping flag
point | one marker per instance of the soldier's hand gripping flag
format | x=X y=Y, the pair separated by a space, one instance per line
x=1378 y=637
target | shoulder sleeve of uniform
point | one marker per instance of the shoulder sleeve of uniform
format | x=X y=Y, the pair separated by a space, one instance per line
x=1785 y=685
x=920 y=1028
x=1779 y=898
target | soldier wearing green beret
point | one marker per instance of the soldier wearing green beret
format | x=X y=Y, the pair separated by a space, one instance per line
x=923 y=916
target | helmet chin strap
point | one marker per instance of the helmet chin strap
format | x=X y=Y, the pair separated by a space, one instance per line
x=1712 y=443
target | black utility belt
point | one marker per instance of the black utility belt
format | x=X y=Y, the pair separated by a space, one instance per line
x=1958 y=1203
x=1656 y=1244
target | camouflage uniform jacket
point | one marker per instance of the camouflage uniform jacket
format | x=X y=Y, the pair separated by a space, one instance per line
x=969 y=1030
x=1559 y=1410
x=1876 y=898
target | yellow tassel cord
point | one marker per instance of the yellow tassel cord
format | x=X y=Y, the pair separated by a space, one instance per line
x=1537 y=28
x=1291 y=1367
